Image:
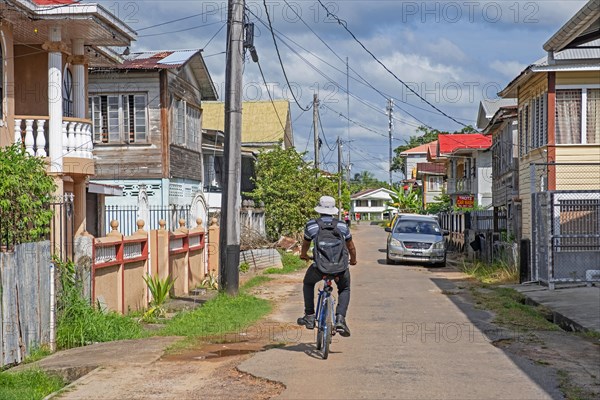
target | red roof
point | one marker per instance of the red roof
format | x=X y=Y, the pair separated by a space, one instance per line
x=449 y=143
x=422 y=149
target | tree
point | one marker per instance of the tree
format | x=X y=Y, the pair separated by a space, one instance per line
x=406 y=201
x=289 y=189
x=442 y=204
x=424 y=135
x=25 y=195
x=365 y=180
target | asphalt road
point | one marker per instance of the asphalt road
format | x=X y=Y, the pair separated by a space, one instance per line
x=409 y=341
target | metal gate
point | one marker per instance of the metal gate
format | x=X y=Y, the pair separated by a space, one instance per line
x=566 y=237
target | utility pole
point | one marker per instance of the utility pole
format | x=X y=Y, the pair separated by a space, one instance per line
x=316 y=130
x=229 y=240
x=390 y=110
x=339 y=148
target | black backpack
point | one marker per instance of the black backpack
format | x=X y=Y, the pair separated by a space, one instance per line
x=330 y=252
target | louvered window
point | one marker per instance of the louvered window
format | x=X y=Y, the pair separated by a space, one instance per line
x=119 y=118
x=186 y=124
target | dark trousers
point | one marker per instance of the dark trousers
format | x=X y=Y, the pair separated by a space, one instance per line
x=313 y=276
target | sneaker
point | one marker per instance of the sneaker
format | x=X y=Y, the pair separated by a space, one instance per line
x=341 y=327
x=308 y=320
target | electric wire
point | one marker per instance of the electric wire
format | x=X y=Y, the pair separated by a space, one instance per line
x=279 y=55
x=344 y=24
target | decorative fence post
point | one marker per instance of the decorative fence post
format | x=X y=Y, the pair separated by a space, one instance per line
x=160 y=251
x=213 y=247
x=196 y=240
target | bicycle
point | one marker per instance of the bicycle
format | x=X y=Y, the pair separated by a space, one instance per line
x=325 y=320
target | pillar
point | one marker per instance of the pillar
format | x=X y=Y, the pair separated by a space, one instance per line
x=55 y=112
x=78 y=64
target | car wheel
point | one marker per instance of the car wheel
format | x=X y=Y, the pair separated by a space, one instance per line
x=440 y=264
x=388 y=260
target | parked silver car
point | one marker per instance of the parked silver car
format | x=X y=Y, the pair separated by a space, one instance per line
x=416 y=238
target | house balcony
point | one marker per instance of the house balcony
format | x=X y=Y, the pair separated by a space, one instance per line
x=77 y=143
x=459 y=186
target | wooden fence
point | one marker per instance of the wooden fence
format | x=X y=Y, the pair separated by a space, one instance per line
x=25 y=307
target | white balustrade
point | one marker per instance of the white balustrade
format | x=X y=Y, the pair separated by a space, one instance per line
x=29 y=142
x=78 y=139
x=71 y=140
x=33 y=134
x=18 y=138
x=65 y=133
x=40 y=140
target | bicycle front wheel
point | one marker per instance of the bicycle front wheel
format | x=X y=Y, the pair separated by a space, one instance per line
x=328 y=328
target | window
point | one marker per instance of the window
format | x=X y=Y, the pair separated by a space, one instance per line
x=593 y=116
x=67 y=92
x=578 y=116
x=186 y=124
x=435 y=183
x=119 y=119
x=539 y=136
x=568 y=116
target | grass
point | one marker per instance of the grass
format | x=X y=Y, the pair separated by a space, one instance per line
x=571 y=391
x=223 y=314
x=498 y=272
x=291 y=263
x=255 y=281
x=31 y=384
x=511 y=310
x=37 y=354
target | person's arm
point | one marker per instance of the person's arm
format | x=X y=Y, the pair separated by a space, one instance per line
x=351 y=251
x=304 y=250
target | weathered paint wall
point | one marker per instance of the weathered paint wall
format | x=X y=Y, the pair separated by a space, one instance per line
x=577 y=78
x=178 y=271
x=536 y=156
x=135 y=294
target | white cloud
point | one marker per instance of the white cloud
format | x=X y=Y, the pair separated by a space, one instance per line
x=510 y=69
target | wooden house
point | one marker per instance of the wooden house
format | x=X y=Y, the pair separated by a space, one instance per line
x=147 y=125
x=559 y=113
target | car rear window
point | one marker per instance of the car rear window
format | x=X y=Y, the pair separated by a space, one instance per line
x=422 y=227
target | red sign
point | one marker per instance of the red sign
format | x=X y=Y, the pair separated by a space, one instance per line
x=465 y=201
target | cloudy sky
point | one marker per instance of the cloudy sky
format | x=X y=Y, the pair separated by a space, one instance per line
x=452 y=53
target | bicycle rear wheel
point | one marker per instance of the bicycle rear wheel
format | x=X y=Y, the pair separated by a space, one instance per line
x=328 y=328
x=321 y=318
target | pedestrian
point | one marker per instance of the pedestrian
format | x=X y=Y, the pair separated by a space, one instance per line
x=315 y=272
x=347 y=218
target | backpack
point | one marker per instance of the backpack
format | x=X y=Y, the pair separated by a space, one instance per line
x=330 y=252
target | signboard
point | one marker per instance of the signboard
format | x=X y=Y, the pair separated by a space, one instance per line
x=465 y=201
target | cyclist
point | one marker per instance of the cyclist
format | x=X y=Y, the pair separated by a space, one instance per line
x=327 y=210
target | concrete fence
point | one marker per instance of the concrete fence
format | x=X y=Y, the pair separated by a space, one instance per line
x=120 y=263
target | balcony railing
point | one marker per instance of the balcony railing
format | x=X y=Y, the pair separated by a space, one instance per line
x=462 y=185
x=32 y=131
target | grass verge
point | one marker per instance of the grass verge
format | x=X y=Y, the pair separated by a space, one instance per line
x=31 y=384
x=291 y=263
x=511 y=310
x=221 y=315
x=498 y=272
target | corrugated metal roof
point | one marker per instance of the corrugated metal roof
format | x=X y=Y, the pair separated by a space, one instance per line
x=491 y=106
x=579 y=24
x=431 y=168
x=162 y=59
x=451 y=142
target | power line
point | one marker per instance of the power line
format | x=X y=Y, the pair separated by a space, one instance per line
x=270 y=97
x=279 y=56
x=279 y=35
x=181 y=30
x=344 y=24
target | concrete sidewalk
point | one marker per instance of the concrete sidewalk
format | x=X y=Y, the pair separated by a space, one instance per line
x=574 y=308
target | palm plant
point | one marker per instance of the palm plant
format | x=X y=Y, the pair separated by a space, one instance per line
x=159 y=289
x=408 y=201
